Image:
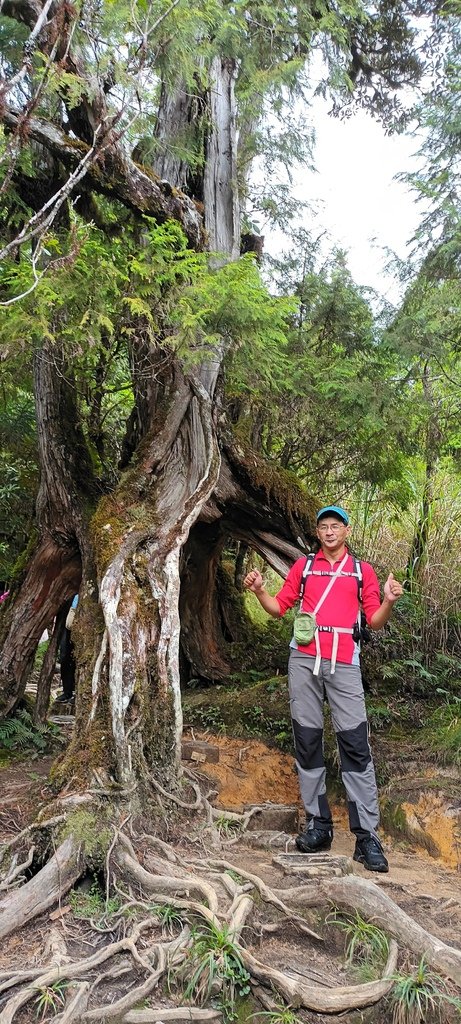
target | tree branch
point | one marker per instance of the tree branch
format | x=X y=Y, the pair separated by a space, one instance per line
x=120 y=178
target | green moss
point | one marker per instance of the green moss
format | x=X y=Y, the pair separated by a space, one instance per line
x=248 y=708
x=394 y=821
x=71 y=143
x=92 y=830
x=274 y=481
x=131 y=508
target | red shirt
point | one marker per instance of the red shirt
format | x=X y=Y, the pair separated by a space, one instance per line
x=340 y=607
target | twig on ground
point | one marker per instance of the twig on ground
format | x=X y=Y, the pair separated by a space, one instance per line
x=14 y=874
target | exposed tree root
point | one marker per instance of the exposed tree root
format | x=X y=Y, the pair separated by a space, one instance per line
x=352 y=892
x=165 y=954
x=74 y=970
x=76 y=1005
x=175 y=1013
x=223 y=899
x=43 y=890
x=269 y=896
x=15 y=875
x=298 y=992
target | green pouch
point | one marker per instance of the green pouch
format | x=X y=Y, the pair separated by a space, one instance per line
x=305 y=625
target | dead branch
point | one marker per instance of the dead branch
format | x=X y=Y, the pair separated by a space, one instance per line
x=124 y=180
x=14 y=873
x=30 y=828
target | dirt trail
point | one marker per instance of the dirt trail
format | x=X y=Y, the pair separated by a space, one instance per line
x=249 y=772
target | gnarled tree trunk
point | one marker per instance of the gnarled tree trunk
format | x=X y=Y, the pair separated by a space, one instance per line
x=129 y=705
x=54 y=570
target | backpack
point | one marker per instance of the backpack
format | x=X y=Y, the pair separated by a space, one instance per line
x=361 y=630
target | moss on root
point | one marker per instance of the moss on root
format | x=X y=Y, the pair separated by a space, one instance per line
x=92 y=830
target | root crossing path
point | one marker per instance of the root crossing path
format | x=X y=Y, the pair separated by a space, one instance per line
x=186 y=930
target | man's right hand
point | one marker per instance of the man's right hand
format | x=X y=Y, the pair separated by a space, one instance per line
x=253 y=581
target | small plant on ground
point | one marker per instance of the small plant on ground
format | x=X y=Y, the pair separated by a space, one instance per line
x=366 y=944
x=235 y=875
x=50 y=998
x=92 y=904
x=420 y=996
x=227 y=826
x=169 y=917
x=18 y=732
x=214 y=967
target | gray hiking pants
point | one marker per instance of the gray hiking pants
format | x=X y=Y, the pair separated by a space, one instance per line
x=345 y=696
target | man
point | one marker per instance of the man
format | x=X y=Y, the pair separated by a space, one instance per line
x=329 y=662
x=67 y=657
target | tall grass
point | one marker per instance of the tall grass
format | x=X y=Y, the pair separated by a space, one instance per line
x=383 y=531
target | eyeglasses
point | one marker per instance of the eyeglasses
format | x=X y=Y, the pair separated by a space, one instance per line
x=334 y=527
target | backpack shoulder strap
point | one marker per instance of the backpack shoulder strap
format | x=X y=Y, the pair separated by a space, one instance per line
x=307 y=568
x=358 y=572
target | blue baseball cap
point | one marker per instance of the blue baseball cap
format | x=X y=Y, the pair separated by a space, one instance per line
x=335 y=510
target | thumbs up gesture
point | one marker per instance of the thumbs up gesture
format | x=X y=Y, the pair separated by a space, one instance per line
x=392 y=589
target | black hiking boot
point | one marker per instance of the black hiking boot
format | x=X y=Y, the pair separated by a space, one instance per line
x=314 y=840
x=62 y=699
x=369 y=852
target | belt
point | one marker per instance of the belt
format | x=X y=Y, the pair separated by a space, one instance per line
x=336 y=630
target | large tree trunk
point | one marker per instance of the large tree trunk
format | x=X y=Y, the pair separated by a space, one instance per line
x=128 y=556
x=129 y=704
x=54 y=570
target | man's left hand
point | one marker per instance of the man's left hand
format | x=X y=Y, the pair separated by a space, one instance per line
x=392 y=589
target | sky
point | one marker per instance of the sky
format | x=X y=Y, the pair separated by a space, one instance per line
x=362 y=206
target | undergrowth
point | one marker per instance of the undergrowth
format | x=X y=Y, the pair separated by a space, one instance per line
x=91 y=904
x=213 y=965
x=421 y=995
x=19 y=732
x=444 y=730
x=367 y=946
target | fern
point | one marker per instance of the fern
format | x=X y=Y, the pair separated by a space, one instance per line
x=18 y=732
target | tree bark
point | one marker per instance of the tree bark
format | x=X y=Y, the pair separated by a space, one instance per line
x=135 y=186
x=54 y=570
x=43 y=890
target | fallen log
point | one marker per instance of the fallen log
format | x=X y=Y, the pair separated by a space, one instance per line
x=44 y=889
